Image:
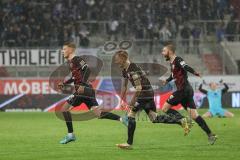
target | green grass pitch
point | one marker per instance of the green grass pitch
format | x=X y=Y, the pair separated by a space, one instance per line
x=28 y=136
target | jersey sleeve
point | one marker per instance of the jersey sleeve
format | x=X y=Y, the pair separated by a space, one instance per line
x=137 y=81
x=202 y=90
x=136 y=76
x=138 y=84
x=169 y=78
x=184 y=65
x=225 y=89
x=83 y=65
x=124 y=74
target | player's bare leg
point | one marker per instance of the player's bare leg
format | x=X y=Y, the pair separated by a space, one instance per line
x=201 y=122
x=228 y=114
x=207 y=115
x=166 y=107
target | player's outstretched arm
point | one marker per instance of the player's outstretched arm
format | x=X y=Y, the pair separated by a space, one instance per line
x=164 y=82
x=225 y=89
x=187 y=68
x=62 y=84
x=138 y=85
x=169 y=79
x=202 y=90
x=123 y=91
x=191 y=70
x=124 y=88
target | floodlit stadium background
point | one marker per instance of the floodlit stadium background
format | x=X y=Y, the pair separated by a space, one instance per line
x=206 y=33
x=207 y=36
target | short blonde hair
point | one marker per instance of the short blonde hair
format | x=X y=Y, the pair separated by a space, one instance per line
x=70 y=44
x=122 y=54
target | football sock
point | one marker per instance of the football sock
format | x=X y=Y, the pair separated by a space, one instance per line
x=131 y=129
x=174 y=113
x=201 y=122
x=109 y=115
x=68 y=120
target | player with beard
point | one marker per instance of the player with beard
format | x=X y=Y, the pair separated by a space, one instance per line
x=184 y=93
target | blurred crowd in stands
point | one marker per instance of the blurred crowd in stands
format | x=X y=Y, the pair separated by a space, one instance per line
x=29 y=23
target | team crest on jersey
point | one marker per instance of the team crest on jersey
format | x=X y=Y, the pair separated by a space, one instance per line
x=82 y=63
x=173 y=66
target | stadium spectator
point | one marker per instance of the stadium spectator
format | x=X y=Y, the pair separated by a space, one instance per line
x=31 y=21
x=113 y=29
x=138 y=29
x=185 y=35
x=173 y=27
x=231 y=29
x=196 y=33
x=83 y=35
x=220 y=31
x=165 y=35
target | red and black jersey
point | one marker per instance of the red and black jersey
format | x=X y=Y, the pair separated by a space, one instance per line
x=138 y=79
x=80 y=71
x=179 y=71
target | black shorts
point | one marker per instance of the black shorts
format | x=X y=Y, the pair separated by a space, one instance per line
x=184 y=97
x=145 y=104
x=88 y=98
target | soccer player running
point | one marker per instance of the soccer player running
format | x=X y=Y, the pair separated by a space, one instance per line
x=143 y=98
x=184 y=92
x=214 y=95
x=84 y=92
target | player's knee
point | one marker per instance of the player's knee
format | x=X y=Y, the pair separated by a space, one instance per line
x=65 y=108
x=166 y=107
x=204 y=116
x=230 y=115
x=194 y=115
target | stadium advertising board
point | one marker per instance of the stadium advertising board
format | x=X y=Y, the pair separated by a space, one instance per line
x=36 y=57
x=24 y=93
x=235 y=99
